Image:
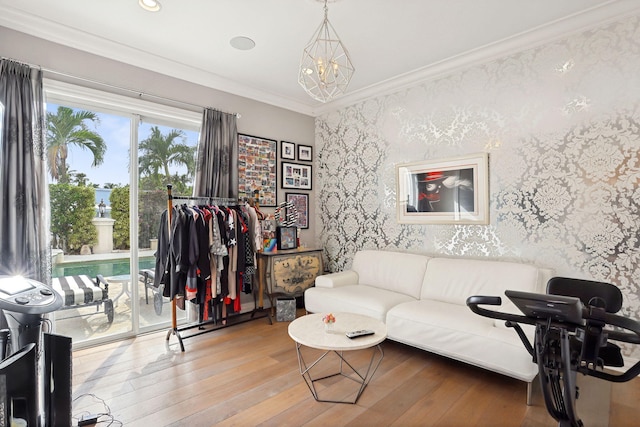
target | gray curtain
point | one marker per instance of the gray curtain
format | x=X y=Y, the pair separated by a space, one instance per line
x=217 y=161
x=24 y=205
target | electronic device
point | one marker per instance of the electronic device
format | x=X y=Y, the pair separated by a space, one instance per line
x=544 y=306
x=19 y=387
x=24 y=303
x=28 y=296
x=360 y=333
x=88 y=420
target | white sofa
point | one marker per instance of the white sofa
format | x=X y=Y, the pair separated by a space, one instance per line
x=422 y=300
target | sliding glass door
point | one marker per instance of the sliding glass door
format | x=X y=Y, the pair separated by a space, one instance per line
x=166 y=155
x=110 y=160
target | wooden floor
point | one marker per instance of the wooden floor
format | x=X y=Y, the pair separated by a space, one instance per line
x=247 y=375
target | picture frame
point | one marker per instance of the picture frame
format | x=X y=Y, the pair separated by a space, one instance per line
x=301 y=203
x=296 y=176
x=257 y=169
x=447 y=191
x=287 y=238
x=305 y=153
x=287 y=150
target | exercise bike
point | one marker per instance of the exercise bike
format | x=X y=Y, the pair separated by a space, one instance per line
x=574 y=323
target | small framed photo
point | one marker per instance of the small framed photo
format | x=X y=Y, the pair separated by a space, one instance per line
x=305 y=153
x=287 y=237
x=296 y=176
x=447 y=191
x=287 y=150
x=301 y=204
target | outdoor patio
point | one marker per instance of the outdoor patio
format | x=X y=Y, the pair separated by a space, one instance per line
x=91 y=322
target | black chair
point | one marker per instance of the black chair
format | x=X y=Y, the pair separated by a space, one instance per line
x=148 y=276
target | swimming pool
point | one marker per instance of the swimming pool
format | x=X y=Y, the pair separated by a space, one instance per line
x=110 y=267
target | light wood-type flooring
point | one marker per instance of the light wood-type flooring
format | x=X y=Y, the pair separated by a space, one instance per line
x=247 y=375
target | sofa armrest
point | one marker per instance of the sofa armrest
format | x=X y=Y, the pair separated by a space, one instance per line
x=334 y=280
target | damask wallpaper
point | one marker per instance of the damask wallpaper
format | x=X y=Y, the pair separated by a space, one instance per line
x=561 y=124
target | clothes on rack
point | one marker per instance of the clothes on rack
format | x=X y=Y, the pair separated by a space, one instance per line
x=207 y=253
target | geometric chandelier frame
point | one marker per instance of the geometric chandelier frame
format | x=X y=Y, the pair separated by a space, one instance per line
x=325 y=68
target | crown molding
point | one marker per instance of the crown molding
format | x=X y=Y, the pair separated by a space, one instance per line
x=595 y=17
x=42 y=28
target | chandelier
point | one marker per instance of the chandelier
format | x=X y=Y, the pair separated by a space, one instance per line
x=325 y=67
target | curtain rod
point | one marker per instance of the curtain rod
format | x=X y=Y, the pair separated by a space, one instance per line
x=124 y=89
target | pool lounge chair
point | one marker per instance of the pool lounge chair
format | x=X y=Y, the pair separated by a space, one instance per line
x=82 y=291
x=148 y=276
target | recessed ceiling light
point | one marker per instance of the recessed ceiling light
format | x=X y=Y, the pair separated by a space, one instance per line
x=242 y=43
x=150 y=5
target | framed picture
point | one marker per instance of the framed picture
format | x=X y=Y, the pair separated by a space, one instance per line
x=448 y=191
x=301 y=203
x=296 y=176
x=305 y=153
x=287 y=150
x=287 y=237
x=257 y=169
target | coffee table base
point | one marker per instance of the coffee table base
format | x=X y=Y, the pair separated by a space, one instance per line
x=361 y=379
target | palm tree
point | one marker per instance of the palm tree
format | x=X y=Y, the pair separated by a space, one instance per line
x=66 y=128
x=158 y=152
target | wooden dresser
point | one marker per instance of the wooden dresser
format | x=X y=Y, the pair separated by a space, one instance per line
x=288 y=272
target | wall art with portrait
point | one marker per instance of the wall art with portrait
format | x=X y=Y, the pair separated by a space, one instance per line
x=447 y=191
x=257 y=169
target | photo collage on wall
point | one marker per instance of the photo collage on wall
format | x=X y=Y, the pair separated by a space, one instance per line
x=257 y=167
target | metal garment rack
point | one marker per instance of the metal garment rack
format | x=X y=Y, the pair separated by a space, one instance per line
x=228 y=321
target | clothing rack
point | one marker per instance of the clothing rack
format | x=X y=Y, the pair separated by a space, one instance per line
x=208 y=325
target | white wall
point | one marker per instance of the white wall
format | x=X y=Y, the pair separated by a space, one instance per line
x=257 y=119
x=561 y=124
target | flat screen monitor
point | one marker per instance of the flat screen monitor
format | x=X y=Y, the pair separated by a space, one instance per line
x=19 y=387
x=544 y=306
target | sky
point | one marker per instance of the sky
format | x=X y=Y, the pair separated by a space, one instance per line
x=115 y=131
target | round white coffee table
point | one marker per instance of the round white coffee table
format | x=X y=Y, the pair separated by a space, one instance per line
x=309 y=331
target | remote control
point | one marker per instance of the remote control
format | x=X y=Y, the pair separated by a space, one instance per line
x=361 y=333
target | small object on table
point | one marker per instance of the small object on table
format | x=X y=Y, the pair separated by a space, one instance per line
x=328 y=320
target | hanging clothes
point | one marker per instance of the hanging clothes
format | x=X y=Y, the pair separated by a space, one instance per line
x=208 y=252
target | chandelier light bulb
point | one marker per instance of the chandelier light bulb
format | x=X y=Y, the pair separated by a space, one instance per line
x=150 y=5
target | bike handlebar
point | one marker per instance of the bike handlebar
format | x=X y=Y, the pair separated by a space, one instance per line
x=588 y=313
x=609 y=318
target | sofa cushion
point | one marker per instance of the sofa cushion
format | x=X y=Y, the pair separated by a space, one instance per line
x=359 y=299
x=395 y=271
x=454 y=280
x=334 y=280
x=453 y=330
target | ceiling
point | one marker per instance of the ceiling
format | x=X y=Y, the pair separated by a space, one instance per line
x=393 y=43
